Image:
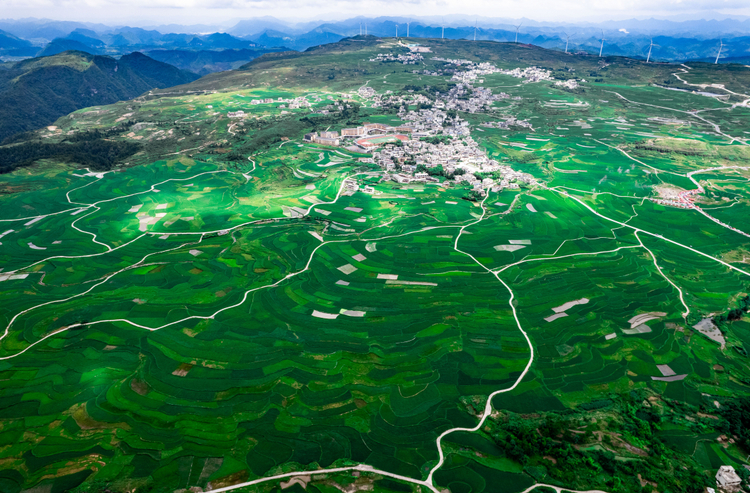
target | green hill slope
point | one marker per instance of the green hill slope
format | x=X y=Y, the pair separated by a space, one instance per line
x=36 y=92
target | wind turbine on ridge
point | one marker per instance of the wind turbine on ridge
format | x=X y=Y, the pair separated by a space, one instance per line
x=649 y=50
x=407 y=29
x=601 y=48
x=517 y=28
x=567 y=40
x=442 y=36
x=721 y=45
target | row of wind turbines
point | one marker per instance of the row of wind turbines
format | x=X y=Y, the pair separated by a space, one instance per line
x=567 y=39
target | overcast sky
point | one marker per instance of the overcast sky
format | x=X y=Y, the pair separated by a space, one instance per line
x=228 y=12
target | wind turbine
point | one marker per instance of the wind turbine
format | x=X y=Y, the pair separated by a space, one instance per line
x=721 y=45
x=601 y=48
x=517 y=28
x=442 y=36
x=567 y=39
x=649 y=50
x=407 y=29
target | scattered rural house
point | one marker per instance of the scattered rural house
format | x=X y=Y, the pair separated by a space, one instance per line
x=727 y=480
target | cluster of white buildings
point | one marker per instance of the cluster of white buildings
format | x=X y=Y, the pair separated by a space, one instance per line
x=366 y=92
x=530 y=74
x=509 y=121
x=425 y=122
x=412 y=58
x=429 y=72
x=479 y=98
x=475 y=71
x=568 y=84
x=355 y=135
x=402 y=162
x=300 y=102
x=453 y=61
x=389 y=99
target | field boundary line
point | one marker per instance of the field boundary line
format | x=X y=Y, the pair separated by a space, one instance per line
x=682 y=299
x=634 y=228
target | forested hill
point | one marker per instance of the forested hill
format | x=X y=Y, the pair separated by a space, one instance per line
x=38 y=91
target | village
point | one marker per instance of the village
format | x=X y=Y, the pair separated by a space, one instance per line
x=435 y=141
x=434 y=144
x=408 y=154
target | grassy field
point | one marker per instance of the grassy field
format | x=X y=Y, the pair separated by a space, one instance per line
x=217 y=308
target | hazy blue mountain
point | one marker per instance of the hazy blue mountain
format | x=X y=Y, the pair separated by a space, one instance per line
x=297 y=42
x=207 y=61
x=90 y=41
x=221 y=41
x=13 y=46
x=136 y=36
x=45 y=28
x=60 y=45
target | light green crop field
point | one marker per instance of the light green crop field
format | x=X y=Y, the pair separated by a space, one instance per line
x=221 y=308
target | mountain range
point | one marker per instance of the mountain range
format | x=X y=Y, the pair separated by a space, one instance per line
x=673 y=41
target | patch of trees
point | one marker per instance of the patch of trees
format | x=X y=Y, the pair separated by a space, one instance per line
x=349 y=114
x=274 y=134
x=558 y=436
x=736 y=414
x=436 y=139
x=440 y=171
x=475 y=196
x=666 y=150
x=434 y=171
x=495 y=175
x=97 y=154
x=96 y=134
x=735 y=313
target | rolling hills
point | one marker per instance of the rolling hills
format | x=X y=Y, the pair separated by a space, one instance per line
x=514 y=291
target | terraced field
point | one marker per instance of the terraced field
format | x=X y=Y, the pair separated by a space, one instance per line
x=223 y=310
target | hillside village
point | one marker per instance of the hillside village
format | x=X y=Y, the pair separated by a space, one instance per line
x=435 y=141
